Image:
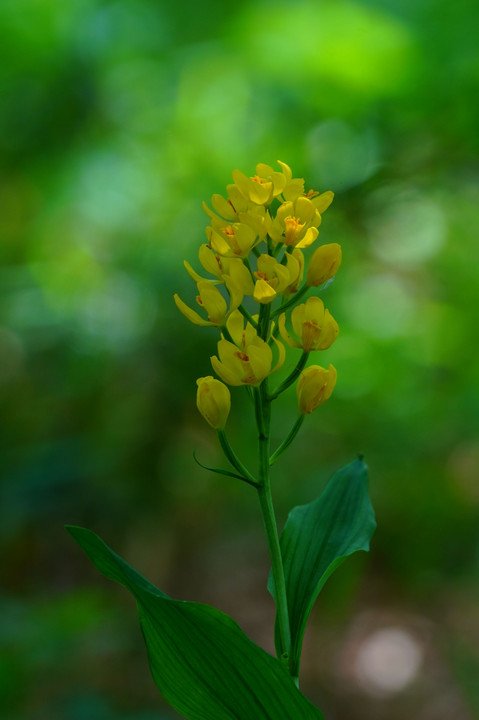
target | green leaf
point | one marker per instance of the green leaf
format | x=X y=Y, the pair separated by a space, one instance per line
x=317 y=538
x=200 y=659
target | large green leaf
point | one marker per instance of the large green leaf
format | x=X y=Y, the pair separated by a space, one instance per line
x=317 y=538
x=200 y=659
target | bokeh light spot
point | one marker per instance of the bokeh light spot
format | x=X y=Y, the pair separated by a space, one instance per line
x=345 y=157
x=380 y=305
x=388 y=660
x=406 y=227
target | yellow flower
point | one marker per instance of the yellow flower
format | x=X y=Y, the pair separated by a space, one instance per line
x=294 y=188
x=236 y=240
x=211 y=300
x=213 y=400
x=315 y=386
x=262 y=187
x=247 y=360
x=296 y=223
x=230 y=271
x=236 y=209
x=315 y=326
x=212 y=263
x=324 y=264
x=272 y=278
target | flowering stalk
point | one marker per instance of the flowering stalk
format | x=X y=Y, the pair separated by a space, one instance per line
x=257 y=254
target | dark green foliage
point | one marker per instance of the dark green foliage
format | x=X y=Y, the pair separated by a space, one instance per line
x=317 y=538
x=200 y=659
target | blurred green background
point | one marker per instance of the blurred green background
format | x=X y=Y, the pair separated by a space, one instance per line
x=117 y=119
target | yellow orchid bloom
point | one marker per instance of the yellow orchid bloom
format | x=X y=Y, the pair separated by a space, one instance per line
x=324 y=264
x=236 y=209
x=211 y=300
x=236 y=240
x=212 y=263
x=294 y=187
x=247 y=360
x=230 y=271
x=315 y=326
x=314 y=387
x=213 y=400
x=262 y=187
x=273 y=278
x=296 y=223
x=239 y=277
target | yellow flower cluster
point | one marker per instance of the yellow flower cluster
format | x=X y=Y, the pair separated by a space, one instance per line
x=255 y=249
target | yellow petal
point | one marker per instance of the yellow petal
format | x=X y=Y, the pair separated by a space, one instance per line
x=223 y=207
x=293 y=189
x=323 y=201
x=304 y=208
x=197 y=278
x=260 y=358
x=189 y=313
x=235 y=292
x=263 y=292
x=219 y=243
x=238 y=271
x=281 y=354
x=297 y=319
x=227 y=375
x=259 y=193
x=211 y=261
x=285 y=334
x=286 y=170
x=308 y=238
x=213 y=302
x=235 y=326
x=264 y=171
x=241 y=182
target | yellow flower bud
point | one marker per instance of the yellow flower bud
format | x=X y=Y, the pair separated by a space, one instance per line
x=324 y=264
x=315 y=386
x=213 y=400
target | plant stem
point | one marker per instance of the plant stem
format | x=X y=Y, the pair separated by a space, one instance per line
x=287 y=441
x=234 y=459
x=247 y=315
x=263 y=414
x=291 y=377
x=292 y=301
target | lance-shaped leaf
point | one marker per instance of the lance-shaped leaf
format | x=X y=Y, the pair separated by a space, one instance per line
x=200 y=659
x=317 y=538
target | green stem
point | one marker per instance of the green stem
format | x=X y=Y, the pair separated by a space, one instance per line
x=292 y=301
x=247 y=315
x=291 y=377
x=234 y=459
x=263 y=414
x=287 y=441
x=263 y=324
